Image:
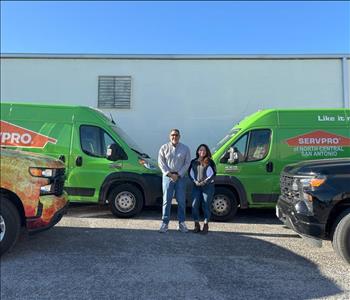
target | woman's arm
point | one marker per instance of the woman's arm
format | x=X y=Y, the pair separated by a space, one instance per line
x=211 y=172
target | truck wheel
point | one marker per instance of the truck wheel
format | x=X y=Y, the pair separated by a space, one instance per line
x=225 y=205
x=125 y=200
x=341 y=236
x=10 y=224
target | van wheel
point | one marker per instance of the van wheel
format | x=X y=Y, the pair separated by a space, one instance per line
x=341 y=234
x=225 y=205
x=10 y=225
x=125 y=200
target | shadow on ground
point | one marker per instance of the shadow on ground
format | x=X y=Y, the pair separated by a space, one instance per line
x=244 y=216
x=87 y=263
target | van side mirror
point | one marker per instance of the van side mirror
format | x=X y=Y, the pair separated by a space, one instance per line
x=114 y=152
x=233 y=156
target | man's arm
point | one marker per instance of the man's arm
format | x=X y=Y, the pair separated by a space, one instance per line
x=162 y=162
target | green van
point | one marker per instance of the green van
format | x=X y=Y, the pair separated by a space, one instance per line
x=102 y=163
x=251 y=157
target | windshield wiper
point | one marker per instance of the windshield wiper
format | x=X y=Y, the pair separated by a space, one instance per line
x=143 y=155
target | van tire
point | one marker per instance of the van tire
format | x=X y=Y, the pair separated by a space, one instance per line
x=125 y=200
x=224 y=205
x=341 y=234
x=10 y=223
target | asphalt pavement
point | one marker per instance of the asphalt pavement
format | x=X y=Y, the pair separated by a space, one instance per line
x=92 y=255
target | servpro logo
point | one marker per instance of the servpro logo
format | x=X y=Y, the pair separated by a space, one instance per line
x=319 y=138
x=319 y=143
x=16 y=136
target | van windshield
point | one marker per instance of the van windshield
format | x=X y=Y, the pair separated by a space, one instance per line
x=127 y=139
x=231 y=133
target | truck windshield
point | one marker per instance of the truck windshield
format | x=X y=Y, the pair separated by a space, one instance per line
x=231 y=133
x=127 y=139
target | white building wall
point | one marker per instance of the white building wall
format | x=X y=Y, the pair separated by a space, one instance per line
x=204 y=98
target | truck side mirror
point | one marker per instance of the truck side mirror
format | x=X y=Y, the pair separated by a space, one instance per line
x=114 y=152
x=233 y=156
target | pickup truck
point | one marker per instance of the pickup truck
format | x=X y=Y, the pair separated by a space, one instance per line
x=315 y=202
x=31 y=192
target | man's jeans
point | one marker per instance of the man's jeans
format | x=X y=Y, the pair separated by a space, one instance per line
x=206 y=194
x=171 y=188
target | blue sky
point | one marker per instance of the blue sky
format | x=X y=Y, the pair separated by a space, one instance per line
x=176 y=27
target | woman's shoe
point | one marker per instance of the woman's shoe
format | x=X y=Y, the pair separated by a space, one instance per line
x=205 y=228
x=197 y=227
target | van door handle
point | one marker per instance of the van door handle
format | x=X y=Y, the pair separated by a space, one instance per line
x=62 y=158
x=269 y=167
x=79 y=161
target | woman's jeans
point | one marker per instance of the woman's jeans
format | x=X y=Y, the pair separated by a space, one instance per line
x=171 y=188
x=205 y=195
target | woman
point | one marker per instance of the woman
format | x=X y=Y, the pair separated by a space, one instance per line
x=202 y=172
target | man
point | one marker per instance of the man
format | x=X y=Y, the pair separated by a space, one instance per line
x=174 y=160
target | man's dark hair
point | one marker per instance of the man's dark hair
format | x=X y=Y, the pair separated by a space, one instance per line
x=174 y=129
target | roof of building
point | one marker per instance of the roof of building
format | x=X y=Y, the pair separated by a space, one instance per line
x=171 y=56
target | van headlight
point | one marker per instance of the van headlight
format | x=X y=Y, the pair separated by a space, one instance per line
x=147 y=164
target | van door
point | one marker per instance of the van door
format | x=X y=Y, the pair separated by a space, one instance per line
x=255 y=167
x=88 y=163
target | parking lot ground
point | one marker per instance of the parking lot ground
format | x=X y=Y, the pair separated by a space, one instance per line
x=92 y=255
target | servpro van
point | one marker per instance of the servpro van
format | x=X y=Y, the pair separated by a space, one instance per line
x=251 y=157
x=102 y=163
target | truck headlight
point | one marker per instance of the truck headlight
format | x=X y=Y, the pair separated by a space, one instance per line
x=305 y=182
x=313 y=182
x=308 y=184
x=46 y=189
x=316 y=182
x=42 y=172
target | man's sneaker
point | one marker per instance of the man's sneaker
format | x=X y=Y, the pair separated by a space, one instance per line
x=163 y=228
x=182 y=227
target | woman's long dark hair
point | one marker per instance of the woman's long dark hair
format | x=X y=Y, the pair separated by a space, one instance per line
x=208 y=153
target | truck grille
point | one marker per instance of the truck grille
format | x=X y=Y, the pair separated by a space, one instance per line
x=287 y=192
x=60 y=172
x=59 y=182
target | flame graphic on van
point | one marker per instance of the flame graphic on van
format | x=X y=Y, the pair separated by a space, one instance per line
x=319 y=138
x=16 y=136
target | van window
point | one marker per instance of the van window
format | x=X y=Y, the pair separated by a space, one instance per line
x=252 y=146
x=232 y=132
x=241 y=146
x=127 y=139
x=94 y=140
x=259 y=144
x=107 y=140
